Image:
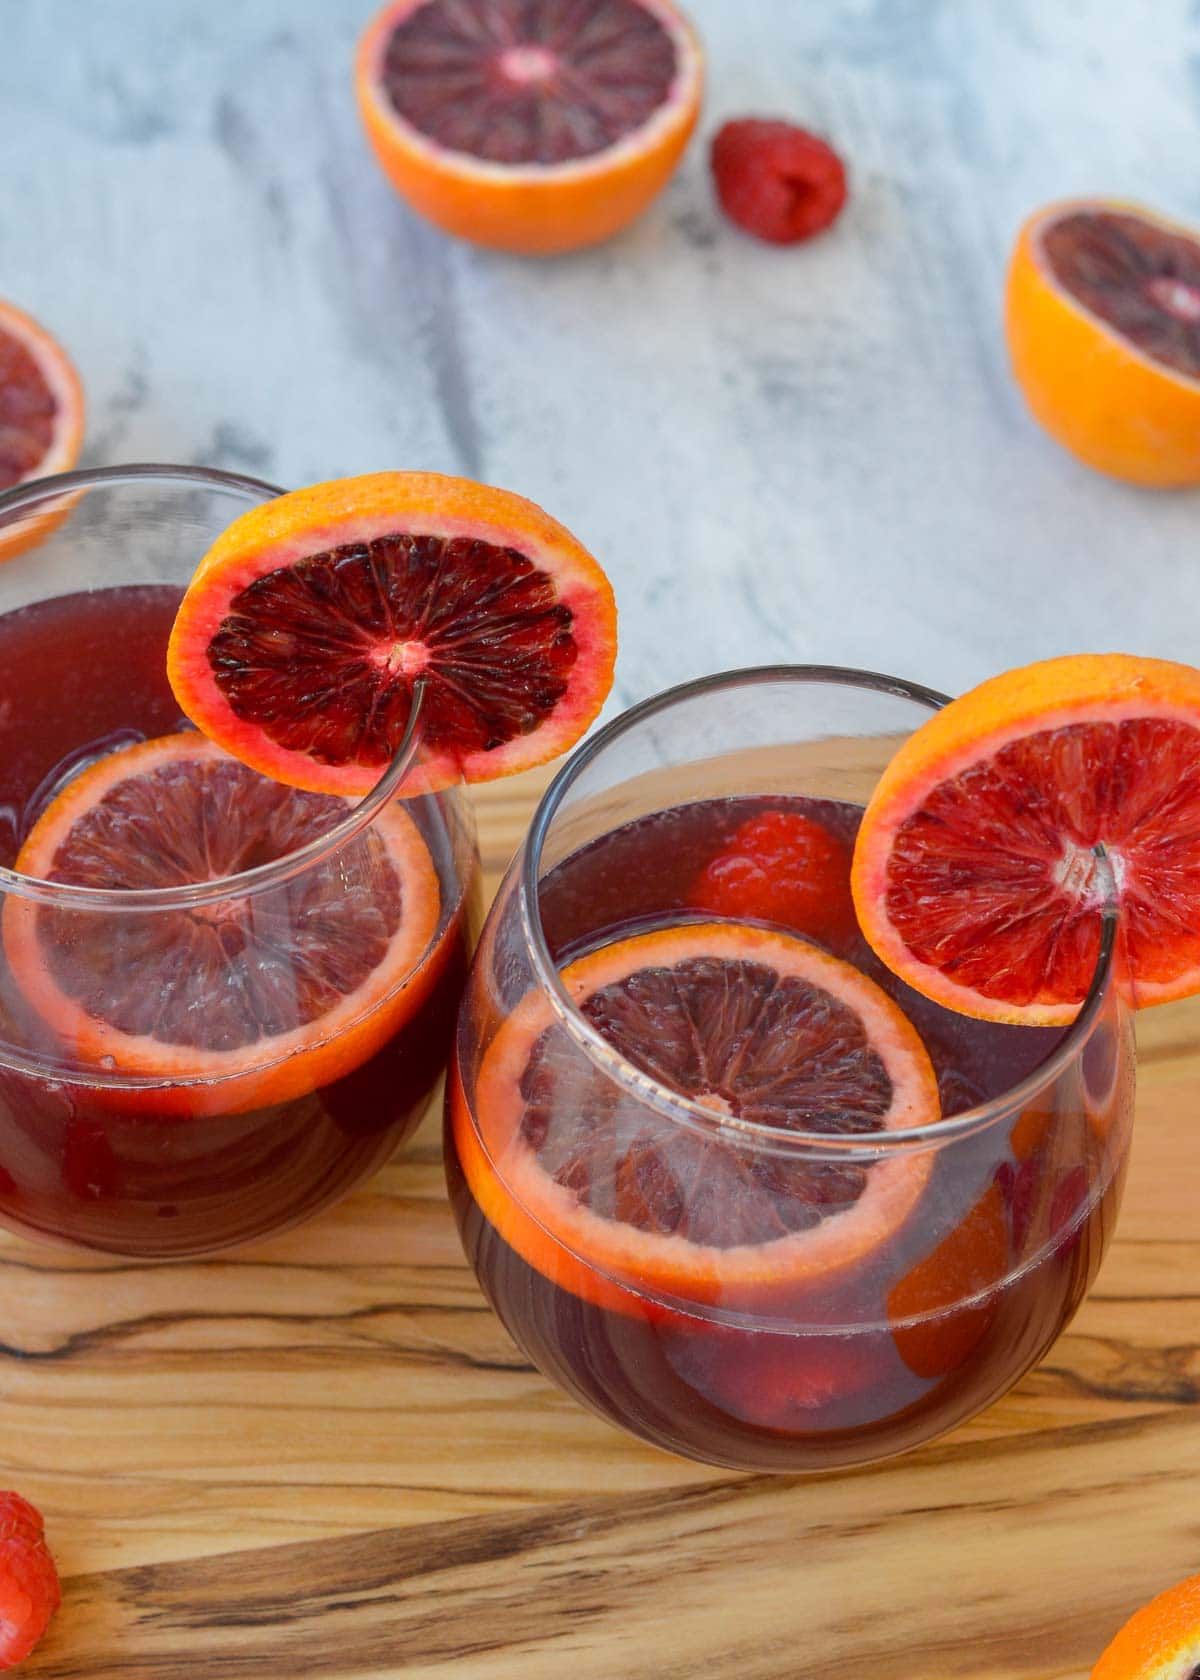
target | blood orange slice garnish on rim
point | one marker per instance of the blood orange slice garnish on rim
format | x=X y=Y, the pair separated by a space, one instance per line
x=975 y=874
x=1103 y=322
x=589 y=1183
x=253 y=999
x=41 y=418
x=309 y=622
x=529 y=128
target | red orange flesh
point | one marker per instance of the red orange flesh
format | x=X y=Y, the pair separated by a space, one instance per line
x=1102 y=314
x=255 y=999
x=975 y=873
x=592 y=1222
x=301 y=638
x=534 y=133
x=41 y=420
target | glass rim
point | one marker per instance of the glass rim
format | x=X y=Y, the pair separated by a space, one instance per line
x=64 y=896
x=694 y=1116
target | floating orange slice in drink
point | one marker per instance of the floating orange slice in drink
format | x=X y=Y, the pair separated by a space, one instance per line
x=529 y=128
x=41 y=418
x=944 y=1305
x=1160 y=1642
x=975 y=875
x=591 y=1184
x=1103 y=319
x=254 y=999
x=310 y=620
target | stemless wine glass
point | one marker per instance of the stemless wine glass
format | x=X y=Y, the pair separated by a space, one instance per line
x=655 y=1170
x=223 y=1002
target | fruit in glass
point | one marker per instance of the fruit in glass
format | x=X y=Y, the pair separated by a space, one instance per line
x=224 y=1001
x=722 y=1174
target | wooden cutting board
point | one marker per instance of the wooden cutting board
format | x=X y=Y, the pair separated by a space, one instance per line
x=322 y=1456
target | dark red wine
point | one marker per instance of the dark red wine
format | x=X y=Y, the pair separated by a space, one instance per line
x=83 y=1161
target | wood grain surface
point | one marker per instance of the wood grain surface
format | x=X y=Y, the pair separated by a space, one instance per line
x=322 y=1456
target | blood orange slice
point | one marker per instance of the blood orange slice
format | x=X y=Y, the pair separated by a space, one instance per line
x=41 y=418
x=266 y=995
x=300 y=639
x=1103 y=321
x=590 y=1184
x=974 y=875
x=942 y=1308
x=531 y=128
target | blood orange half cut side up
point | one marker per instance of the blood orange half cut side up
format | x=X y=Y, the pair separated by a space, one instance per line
x=41 y=419
x=533 y=128
x=1103 y=322
x=591 y=1184
x=309 y=622
x=253 y=999
x=975 y=874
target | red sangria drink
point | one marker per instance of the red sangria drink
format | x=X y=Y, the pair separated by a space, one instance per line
x=223 y=1000
x=724 y=1176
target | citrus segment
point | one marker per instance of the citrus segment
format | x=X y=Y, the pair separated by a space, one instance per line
x=1160 y=1642
x=941 y=1309
x=41 y=419
x=975 y=876
x=265 y=995
x=310 y=621
x=529 y=128
x=1103 y=323
x=759 y=1026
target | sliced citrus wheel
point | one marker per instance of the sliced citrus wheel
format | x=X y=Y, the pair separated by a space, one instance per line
x=589 y=1183
x=532 y=128
x=309 y=621
x=1103 y=323
x=1160 y=1642
x=264 y=996
x=41 y=419
x=975 y=876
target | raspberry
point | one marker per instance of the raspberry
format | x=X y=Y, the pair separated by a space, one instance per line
x=782 y=867
x=29 y=1592
x=775 y=1381
x=777 y=181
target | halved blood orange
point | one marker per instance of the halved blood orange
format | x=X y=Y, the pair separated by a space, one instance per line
x=41 y=418
x=590 y=1184
x=1103 y=322
x=308 y=622
x=1160 y=1642
x=975 y=876
x=533 y=128
x=263 y=997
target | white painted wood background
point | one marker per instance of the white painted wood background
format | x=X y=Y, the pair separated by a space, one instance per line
x=804 y=454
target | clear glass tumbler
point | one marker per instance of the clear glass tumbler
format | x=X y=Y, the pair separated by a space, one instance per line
x=657 y=1173
x=223 y=1002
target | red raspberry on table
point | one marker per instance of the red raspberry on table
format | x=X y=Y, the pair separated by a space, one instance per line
x=782 y=867
x=29 y=1591
x=776 y=180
